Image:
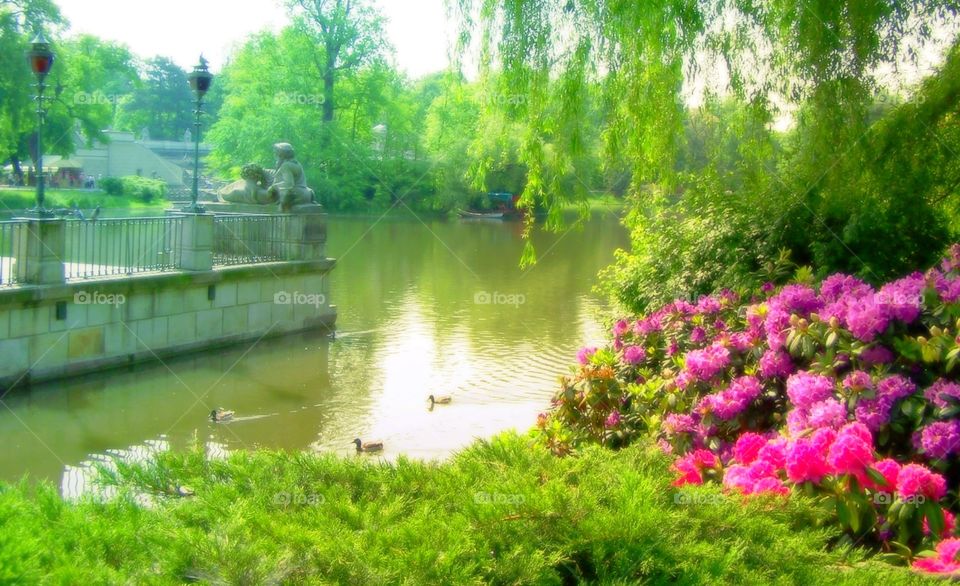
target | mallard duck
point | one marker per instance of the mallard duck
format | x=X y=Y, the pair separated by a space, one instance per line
x=220 y=415
x=439 y=400
x=368 y=446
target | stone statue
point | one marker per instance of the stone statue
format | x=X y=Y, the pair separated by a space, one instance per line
x=253 y=188
x=286 y=185
x=289 y=182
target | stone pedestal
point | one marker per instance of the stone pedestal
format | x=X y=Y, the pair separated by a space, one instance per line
x=196 y=242
x=306 y=233
x=40 y=251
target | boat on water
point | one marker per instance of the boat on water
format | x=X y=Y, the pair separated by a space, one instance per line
x=466 y=214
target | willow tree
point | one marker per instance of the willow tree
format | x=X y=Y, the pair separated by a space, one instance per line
x=643 y=65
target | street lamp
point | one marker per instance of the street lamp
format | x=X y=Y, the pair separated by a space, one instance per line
x=41 y=61
x=200 y=79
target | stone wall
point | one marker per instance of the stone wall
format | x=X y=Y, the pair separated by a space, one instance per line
x=52 y=331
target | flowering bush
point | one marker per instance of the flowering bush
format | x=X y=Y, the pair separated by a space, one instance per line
x=841 y=391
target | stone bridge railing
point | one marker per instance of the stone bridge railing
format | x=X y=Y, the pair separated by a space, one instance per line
x=54 y=251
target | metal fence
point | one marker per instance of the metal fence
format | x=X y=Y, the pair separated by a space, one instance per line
x=122 y=246
x=250 y=239
x=12 y=243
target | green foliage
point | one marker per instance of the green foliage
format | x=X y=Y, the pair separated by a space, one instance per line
x=854 y=185
x=112 y=185
x=134 y=186
x=163 y=102
x=502 y=511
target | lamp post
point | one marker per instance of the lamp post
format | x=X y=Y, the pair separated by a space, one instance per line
x=41 y=60
x=200 y=79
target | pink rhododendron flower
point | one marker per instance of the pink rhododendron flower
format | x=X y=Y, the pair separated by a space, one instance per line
x=866 y=319
x=903 y=299
x=805 y=462
x=613 y=419
x=916 y=480
x=691 y=467
x=890 y=470
x=770 y=485
x=805 y=389
x=747 y=447
x=634 y=354
x=876 y=355
x=940 y=390
x=941 y=439
x=949 y=524
x=944 y=563
x=585 y=354
x=620 y=328
x=707 y=305
x=829 y=413
x=707 y=363
x=776 y=363
x=674 y=424
x=732 y=401
x=852 y=452
x=775 y=452
x=838 y=285
x=858 y=380
x=698 y=335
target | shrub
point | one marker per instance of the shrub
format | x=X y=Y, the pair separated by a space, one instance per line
x=111 y=185
x=134 y=186
x=842 y=391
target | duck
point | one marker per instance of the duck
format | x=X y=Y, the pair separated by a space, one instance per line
x=439 y=400
x=368 y=446
x=220 y=415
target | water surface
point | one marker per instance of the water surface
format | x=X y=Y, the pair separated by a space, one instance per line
x=425 y=307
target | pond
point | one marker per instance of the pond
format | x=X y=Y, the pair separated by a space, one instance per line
x=426 y=306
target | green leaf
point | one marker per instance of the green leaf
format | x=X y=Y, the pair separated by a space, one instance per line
x=831 y=339
x=934 y=515
x=843 y=513
x=876 y=476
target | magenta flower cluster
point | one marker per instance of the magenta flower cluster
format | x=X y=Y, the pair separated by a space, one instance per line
x=841 y=386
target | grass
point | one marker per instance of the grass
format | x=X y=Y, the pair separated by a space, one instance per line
x=21 y=199
x=502 y=511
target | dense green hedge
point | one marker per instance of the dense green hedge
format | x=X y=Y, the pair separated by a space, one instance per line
x=500 y=512
x=134 y=186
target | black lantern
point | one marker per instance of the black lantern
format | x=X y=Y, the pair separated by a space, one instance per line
x=41 y=58
x=200 y=79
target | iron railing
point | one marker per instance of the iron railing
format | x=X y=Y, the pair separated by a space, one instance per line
x=250 y=239
x=12 y=243
x=122 y=246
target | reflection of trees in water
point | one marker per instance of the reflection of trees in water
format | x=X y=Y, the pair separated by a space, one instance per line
x=459 y=259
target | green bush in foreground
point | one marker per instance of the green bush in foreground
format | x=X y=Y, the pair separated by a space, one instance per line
x=501 y=512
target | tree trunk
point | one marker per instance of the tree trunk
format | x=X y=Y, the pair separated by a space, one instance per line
x=328 y=83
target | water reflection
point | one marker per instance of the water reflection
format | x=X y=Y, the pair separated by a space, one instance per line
x=413 y=322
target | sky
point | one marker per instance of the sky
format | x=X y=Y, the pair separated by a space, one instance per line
x=182 y=29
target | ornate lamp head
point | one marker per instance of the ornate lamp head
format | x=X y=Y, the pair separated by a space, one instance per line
x=200 y=78
x=40 y=56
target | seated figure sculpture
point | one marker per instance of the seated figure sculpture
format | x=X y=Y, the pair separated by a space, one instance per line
x=289 y=182
x=286 y=185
